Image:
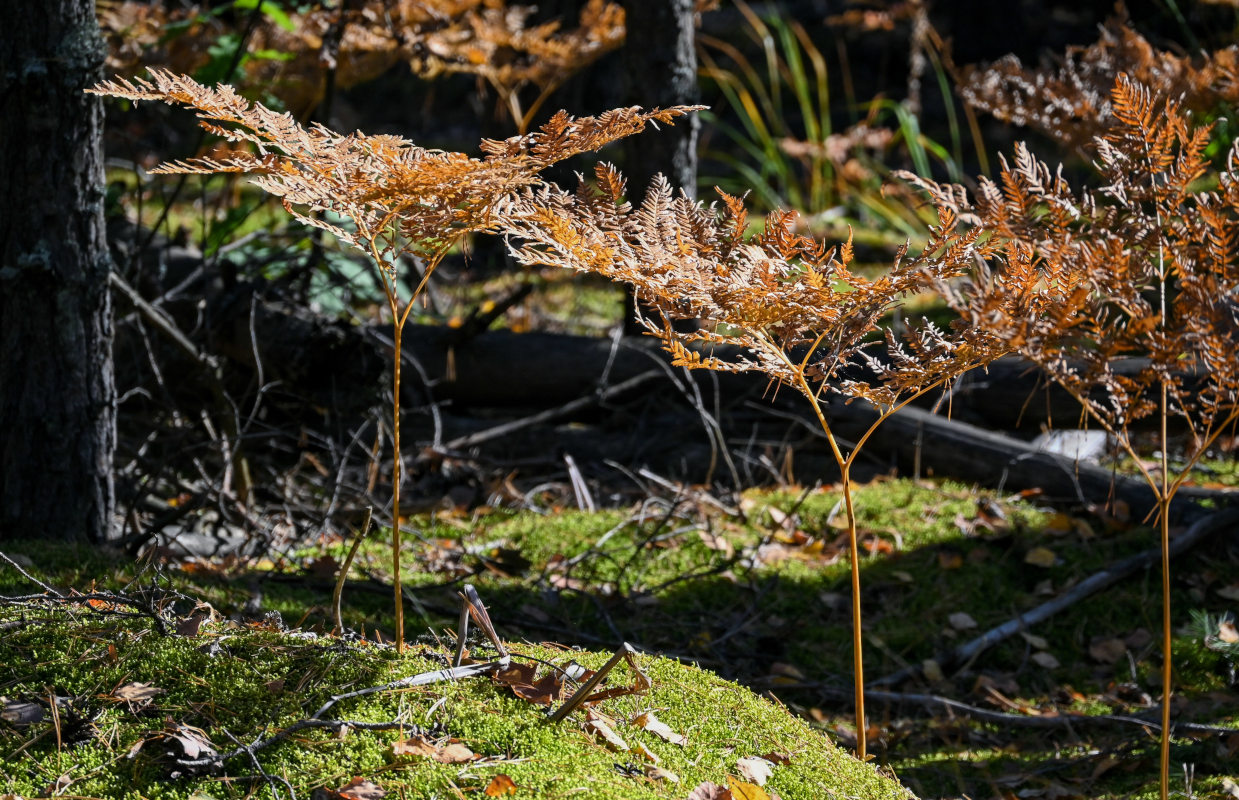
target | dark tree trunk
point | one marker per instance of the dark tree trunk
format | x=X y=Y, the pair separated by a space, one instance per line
x=660 y=69
x=57 y=402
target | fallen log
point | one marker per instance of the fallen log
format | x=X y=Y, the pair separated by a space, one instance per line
x=945 y=446
x=330 y=362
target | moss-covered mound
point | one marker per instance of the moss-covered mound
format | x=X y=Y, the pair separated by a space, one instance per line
x=135 y=708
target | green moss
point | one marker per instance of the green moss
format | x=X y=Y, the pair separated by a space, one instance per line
x=244 y=682
x=779 y=600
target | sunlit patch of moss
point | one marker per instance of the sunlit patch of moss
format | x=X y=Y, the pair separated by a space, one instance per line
x=1218 y=472
x=653 y=581
x=240 y=683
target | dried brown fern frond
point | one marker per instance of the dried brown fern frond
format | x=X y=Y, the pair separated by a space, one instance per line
x=380 y=194
x=793 y=308
x=1070 y=101
x=1149 y=264
x=497 y=43
x=773 y=294
x=1149 y=256
x=487 y=38
x=385 y=194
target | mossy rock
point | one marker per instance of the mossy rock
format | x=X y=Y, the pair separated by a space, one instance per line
x=241 y=683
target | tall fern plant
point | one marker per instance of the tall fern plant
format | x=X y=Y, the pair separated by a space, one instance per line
x=1152 y=259
x=394 y=201
x=787 y=305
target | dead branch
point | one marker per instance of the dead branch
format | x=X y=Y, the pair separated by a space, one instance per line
x=971 y=453
x=1199 y=531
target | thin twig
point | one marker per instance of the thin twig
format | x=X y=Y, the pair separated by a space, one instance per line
x=580 y=404
x=348 y=561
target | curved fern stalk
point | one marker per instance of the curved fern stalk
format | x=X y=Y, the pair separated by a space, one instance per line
x=791 y=307
x=382 y=195
x=1151 y=262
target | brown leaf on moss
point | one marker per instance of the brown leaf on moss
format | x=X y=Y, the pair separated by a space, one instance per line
x=1107 y=650
x=358 y=789
x=451 y=753
x=654 y=725
x=709 y=791
x=500 y=786
x=755 y=770
x=599 y=726
x=523 y=681
x=741 y=790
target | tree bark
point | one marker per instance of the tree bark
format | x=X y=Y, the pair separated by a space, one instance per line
x=660 y=69
x=57 y=401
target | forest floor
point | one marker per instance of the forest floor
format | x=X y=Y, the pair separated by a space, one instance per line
x=756 y=593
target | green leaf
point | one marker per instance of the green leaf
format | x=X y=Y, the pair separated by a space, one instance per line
x=268 y=9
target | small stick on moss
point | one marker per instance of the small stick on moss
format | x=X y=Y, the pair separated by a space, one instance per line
x=473 y=607
x=348 y=561
x=585 y=693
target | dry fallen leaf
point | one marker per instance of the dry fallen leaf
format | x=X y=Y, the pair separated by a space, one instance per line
x=716 y=542
x=1229 y=592
x=137 y=693
x=500 y=786
x=1036 y=641
x=1138 y=638
x=1107 y=651
x=520 y=678
x=1060 y=524
x=791 y=671
x=361 y=789
x=452 y=753
x=1045 y=660
x=709 y=791
x=193 y=742
x=1041 y=557
x=57 y=786
x=932 y=671
x=659 y=774
x=189 y=626
x=597 y=725
x=659 y=728
x=962 y=621
x=745 y=791
x=323 y=567
x=1104 y=765
x=755 y=770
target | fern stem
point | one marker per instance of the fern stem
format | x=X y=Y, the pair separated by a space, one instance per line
x=858 y=661
x=395 y=489
x=1163 y=508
